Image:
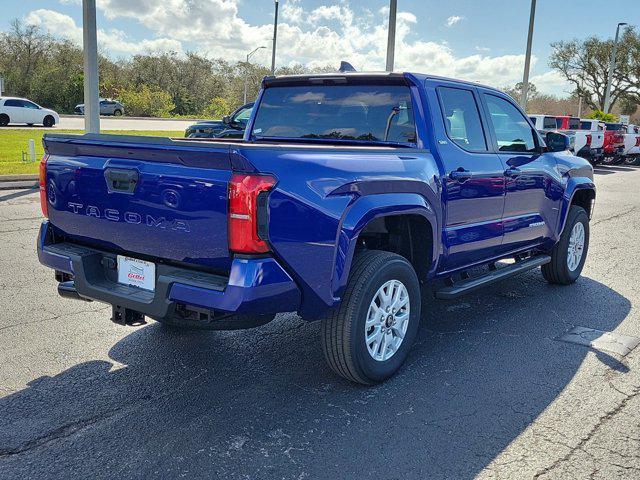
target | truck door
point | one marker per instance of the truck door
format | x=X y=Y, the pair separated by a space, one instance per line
x=473 y=181
x=532 y=181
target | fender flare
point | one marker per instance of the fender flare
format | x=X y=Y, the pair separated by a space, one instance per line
x=364 y=210
x=574 y=184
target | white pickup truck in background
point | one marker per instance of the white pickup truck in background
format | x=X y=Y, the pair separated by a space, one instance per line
x=589 y=141
x=544 y=123
x=631 y=152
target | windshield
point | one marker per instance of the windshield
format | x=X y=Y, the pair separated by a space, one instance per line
x=339 y=112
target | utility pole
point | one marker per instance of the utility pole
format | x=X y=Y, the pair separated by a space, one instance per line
x=90 y=53
x=391 y=40
x=246 y=71
x=275 y=38
x=527 y=58
x=612 y=67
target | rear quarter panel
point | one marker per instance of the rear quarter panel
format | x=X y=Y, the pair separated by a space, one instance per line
x=326 y=195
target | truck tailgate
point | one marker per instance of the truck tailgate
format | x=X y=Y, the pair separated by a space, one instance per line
x=152 y=198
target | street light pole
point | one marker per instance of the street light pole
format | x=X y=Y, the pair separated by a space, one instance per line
x=612 y=66
x=90 y=53
x=246 y=69
x=275 y=37
x=527 y=58
x=391 y=40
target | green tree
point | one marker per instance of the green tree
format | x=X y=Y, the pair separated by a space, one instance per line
x=585 y=64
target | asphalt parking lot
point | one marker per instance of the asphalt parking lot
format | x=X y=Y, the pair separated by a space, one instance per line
x=489 y=391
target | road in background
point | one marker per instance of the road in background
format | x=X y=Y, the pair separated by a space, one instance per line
x=118 y=123
x=488 y=391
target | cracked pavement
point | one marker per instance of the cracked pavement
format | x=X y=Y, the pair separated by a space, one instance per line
x=488 y=392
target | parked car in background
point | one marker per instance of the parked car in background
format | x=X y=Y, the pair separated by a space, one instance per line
x=350 y=193
x=565 y=122
x=231 y=126
x=588 y=139
x=107 y=107
x=21 y=110
x=613 y=143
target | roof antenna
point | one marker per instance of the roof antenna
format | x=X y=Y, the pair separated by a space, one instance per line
x=346 y=67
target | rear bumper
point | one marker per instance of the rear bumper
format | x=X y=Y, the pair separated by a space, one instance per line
x=255 y=286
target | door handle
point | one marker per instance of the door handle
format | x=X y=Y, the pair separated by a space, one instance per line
x=460 y=175
x=512 y=172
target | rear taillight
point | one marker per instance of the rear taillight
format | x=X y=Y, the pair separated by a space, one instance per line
x=43 y=186
x=588 y=140
x=637 y=141
x=248 y=220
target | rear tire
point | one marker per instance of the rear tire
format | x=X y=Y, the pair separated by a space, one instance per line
x=48 y=121
x=4 y=120
x=632 y=160
x=350 y=331
x=564 y=267
x=117 y=113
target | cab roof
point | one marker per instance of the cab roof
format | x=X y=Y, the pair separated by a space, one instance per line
x=363 y=78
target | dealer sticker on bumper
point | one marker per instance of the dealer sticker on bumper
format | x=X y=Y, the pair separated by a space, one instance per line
x=138 y=273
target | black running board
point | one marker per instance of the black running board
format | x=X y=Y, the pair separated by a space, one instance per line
x=466 y=286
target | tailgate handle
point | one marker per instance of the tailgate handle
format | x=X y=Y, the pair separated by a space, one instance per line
x=121 y=180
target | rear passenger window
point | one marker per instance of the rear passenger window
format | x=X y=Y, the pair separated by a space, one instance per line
x=462 y=119
x=549 y=122
x=574 y=124
x=513 y=132
x=13 y=103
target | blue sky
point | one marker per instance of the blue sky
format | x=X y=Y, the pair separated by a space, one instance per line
x=478 y=40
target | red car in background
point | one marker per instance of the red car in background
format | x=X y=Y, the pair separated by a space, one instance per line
x=566 y=122
x=613 y=143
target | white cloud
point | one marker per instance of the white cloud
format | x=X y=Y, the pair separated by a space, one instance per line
x=112 y=41
x=453 y=20
x=314 y=37
x=552 y=82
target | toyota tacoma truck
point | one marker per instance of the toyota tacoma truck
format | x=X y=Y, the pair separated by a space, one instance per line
x=347 y=194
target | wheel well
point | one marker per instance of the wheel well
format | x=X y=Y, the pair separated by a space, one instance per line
x=408 y=235
x=584 y=198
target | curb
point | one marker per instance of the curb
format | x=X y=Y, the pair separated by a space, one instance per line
x=125 y=117
x=23 y=185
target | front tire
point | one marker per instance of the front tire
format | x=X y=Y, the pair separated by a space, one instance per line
x=569 y=254
x=48 y=121
x=117 y=113
x=367 y=338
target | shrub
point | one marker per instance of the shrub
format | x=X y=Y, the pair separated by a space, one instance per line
x=217 y=108
x=146 y=102
x=605 y=117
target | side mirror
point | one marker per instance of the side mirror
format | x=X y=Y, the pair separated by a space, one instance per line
x=557 y=142
x=226 y=120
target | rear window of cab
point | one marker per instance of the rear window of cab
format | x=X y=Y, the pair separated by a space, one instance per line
x=337 y=112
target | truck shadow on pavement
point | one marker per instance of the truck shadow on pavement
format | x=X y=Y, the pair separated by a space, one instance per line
x=262 y=403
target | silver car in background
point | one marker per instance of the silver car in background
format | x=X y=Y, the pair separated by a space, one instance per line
x=107 y=107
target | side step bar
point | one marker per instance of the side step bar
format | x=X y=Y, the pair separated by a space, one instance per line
x=466 y=286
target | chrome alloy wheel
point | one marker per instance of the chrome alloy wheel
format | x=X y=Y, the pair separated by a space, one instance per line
x=575 y=249
x=387 y=320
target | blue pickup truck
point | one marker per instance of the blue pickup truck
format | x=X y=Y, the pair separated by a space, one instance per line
x=347 y=195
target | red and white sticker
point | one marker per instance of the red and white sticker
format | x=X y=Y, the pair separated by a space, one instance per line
x=137 y=273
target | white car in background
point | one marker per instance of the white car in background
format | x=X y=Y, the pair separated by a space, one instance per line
x=21 y=110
